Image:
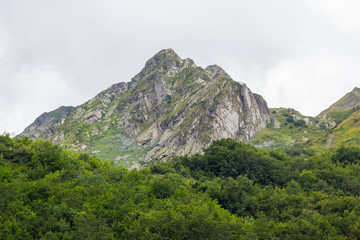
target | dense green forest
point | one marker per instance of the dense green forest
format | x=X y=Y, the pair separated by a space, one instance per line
x=231 y=191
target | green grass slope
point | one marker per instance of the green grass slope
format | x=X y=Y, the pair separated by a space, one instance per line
x=346 y=133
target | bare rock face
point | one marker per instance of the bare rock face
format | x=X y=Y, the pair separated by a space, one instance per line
x=276 y=122
x=172 y=107
x=59 y=138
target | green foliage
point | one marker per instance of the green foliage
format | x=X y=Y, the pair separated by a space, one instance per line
x=339 y=115
x=168 y=99
x=228 y=158
x=287 y=115
x=290 y=119
x=300 y=123
x=346 y=133
x=347 y=155
x=305 y=205
x=50 y=193
x=231 y=191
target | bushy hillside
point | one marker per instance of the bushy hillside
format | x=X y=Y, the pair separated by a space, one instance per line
x=232 y=191
x=50 y=193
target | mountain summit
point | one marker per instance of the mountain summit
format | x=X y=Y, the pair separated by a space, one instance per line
x=171 y=107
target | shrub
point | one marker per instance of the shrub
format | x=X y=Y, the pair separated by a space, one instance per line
x=300 y=123
x=290 y=119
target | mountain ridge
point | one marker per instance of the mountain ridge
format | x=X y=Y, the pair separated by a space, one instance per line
x=341 y=109
x=46 y=121
x=170 y=107
x=333 y=127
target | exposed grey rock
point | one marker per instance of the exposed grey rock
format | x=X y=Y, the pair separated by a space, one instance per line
x=82 y=147
x=275 y=122
x=215 y=71
x=329 y=140
x=59 y=138
x=307 y=121
x=93 y=116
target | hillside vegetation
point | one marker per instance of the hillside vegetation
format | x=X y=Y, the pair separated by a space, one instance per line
x=232 y=191
x=346 y=133
x=343 y=108
x=287 y=129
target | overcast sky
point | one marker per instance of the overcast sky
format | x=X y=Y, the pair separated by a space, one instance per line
x=303 y=54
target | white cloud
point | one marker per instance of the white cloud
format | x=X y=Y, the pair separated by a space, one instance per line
x=343 y=14
x=312 y=84
x=73 y=49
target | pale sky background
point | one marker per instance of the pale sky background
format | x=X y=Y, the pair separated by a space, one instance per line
x=303 y=54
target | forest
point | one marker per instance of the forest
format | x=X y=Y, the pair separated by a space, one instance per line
x=230 y=191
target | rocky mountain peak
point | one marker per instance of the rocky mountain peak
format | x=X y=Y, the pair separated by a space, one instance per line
x=168 y=52
x=166 y=57
x=189 y=63
x=165 y=62
x=216 y=71
x=356 y=91
x=170 y=107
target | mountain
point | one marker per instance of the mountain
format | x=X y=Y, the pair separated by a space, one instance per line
x=47 y=121
x=334 y=126
x=342 y=117
x=171 y=107
x=341 y=109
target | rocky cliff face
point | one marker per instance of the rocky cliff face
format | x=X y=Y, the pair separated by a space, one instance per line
x=171 y=107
